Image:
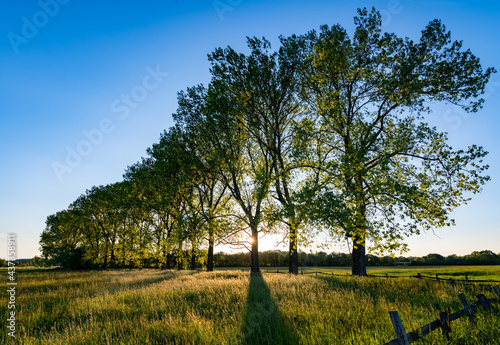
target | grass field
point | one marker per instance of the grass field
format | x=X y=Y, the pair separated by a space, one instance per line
x=444 y=272
x=236 y=307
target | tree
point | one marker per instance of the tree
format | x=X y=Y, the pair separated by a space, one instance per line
x=172 y=191
x=200 y=163
x=61 y=241
x=388 y=173
x=156 y=183
x=263 y=88
x=246 y=166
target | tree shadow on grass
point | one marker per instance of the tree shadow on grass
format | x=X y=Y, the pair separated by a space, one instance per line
x=263 y=322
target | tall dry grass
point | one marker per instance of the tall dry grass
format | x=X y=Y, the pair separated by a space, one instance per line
x=232 y=307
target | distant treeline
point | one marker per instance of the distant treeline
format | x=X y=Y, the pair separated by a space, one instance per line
x=275 y=258
x=279 y=258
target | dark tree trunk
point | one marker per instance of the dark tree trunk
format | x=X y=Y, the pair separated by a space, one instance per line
x=293 y=258
x=105 y=264
x=359 y=238
x=193 y=258
x=358 y=257
x=158 y=256
x=169 y=261
x=210 y=257
x=179 y=261
x=254 y=255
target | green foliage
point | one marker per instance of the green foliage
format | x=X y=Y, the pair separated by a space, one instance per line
x=388 y=174
x=326 y=133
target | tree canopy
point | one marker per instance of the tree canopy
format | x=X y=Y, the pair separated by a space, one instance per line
x=326 y=134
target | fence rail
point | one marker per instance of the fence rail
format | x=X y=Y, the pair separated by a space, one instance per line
x=443 y=322
x=464 y=281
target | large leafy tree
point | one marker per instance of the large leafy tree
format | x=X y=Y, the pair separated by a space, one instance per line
x=167 y=189
x=263 y=87
x=149 y=187
x=389 y=174
x=200 y=163
x=62 y=240
x=245 y=167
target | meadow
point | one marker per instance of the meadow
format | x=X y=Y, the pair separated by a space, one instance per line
x=235 y=307
x=445 y=272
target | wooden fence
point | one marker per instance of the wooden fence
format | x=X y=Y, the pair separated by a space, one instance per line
x=465 y=281
x=443 y=322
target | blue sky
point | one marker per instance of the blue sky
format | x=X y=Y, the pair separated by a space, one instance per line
x=76 y=72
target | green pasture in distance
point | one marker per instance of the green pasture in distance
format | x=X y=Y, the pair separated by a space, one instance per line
x=445 y=272
x=454 y=271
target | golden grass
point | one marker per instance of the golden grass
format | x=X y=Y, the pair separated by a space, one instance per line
x=232 y=307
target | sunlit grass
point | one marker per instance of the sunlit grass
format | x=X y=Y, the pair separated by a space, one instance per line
x=445 y=272
x=171 y=307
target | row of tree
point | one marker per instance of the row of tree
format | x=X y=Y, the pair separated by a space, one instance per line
x=276 y=258
x=326 y=134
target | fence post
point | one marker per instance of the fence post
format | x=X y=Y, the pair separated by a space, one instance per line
x=495 y=290
x=401 y=336
x=484 y=301
x=466 y=278
x=444 y=318
x=467 y=307
x=302 y=272
x=437 y=277
x=316 y=274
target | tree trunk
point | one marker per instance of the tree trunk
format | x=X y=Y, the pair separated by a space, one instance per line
x=166 y=245
x=179 y=263
x=293 y=258
x=105 y=264
x=180 y=255
x=254 y=255
x=358 y=257
x=359 y=238
x=210 y=257
x=193 y=258
x=113 y=259
x=158 y=253
x=169 y=260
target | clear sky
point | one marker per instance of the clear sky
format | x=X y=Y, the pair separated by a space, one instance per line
x=87 y=86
